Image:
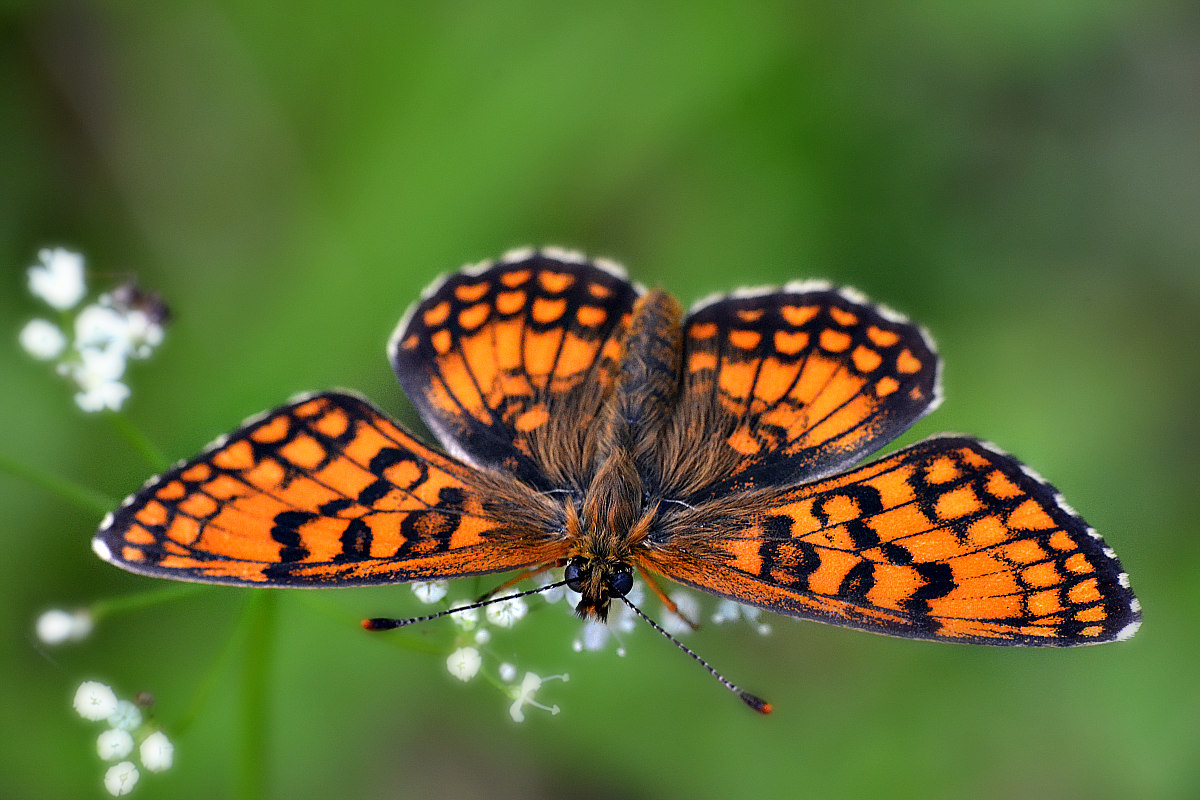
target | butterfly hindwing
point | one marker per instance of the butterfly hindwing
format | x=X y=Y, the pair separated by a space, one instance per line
x=949 y=539
x=323 y=491
x=509 y=363
x=798 y=383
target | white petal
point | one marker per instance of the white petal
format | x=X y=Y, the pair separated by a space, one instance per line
x=54 y=626
x=95 y=700
x=42 y=339
x=466 y=619
x=111 y=395
x=430 y=591
x=59 y=278
x=101 y=327
x=464 y=663
x=121 y=778
x=507 y=613
x=126 y=717
x=157 y=752
x=114 y=743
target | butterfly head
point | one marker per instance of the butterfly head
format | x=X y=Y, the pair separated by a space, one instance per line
x=597 y=580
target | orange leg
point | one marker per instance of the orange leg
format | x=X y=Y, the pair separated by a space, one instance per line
x=666 y=601
x=529 y=572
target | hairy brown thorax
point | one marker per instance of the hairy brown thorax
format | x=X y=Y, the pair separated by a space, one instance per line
x=620 y=506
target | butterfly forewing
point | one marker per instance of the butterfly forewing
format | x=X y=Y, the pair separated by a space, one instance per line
x=324 y=491
x=948 y=539
x=509 y=364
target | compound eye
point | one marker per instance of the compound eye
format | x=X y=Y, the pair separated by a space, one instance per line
x=573 y=575
x=620 y=583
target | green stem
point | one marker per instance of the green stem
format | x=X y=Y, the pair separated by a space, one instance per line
x=139 y=441
x=81 y=496
x=262 y=618
x=136 y=602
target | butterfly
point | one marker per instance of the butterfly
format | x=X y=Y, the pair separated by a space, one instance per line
x=589 y=424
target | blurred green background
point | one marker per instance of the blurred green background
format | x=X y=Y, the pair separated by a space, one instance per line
x=1020 y=177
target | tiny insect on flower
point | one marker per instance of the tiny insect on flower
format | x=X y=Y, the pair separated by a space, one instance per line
x=95 y=700
x=42 y=339
x=464 y=663
x=157 y=752
x=114 y=743
x=58 y=280
x=124 y=324
x=121 y=778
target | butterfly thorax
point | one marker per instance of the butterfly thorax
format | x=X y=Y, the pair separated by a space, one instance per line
x=620 y=506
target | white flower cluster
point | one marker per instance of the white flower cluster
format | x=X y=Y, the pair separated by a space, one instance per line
x=123 y=324
x=126 y=729
x=468 y=658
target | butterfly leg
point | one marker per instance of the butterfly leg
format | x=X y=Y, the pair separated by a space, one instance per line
x=528 y=572
x=666 y=601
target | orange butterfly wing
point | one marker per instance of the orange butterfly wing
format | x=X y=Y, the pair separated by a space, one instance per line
x=509 y=363
x=323 y=491
x=948 y=539
x=798 y=383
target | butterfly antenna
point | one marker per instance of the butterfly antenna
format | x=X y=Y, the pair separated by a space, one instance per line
x=387 y=623
x=757 y=703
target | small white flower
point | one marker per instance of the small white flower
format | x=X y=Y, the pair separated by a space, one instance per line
x=507 y=613
x=732 y=611
x=726 y=611
x=464 y=663
x=43 y=339
x=142 y=333
x=523 y=695
x=111 y=395
x=114 y=743
x=468 y=618
x=95 y=700
x=54 y=626
x=508 y=673
x=127 y=716
x=553 y=595
x=689 y=607
x=622 y=620
x=483 y=636
x=99 y=327
x=121 y=778
x=57 y=626
x=593 y=636
x=430 y=591
x=97 y=375
x=157 y=751
x=59 y=278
